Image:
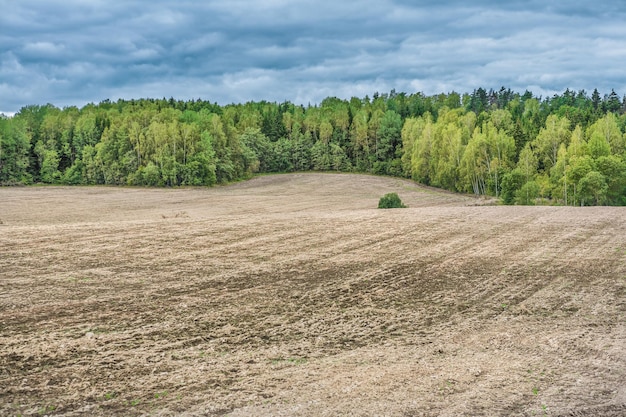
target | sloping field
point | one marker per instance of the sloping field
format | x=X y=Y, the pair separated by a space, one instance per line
x=292 y=295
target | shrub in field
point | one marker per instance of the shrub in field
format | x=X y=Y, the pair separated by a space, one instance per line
x=390 y=200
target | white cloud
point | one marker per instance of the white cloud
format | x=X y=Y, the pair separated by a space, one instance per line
x=43 y=48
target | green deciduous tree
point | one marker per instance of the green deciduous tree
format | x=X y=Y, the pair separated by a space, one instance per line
x=578 y=168
x=511 y=182
x=420 y=156
x=605 y=137
x=528 y=193
x=550 y=138
x=14 y=151
x=475 y=164
x=446 y=149
x=389 y=136
x=613 y=169
x=592 y=189
x=359 y=131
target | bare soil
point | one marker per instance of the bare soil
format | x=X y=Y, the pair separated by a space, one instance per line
x=293 y=295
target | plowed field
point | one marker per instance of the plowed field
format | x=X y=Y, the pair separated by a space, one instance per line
x=293 y=295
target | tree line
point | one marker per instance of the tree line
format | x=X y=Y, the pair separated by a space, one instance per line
x=566 y=149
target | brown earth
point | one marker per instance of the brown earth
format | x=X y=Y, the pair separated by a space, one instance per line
x=292 y=295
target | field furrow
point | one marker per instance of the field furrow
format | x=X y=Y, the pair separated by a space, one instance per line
x=293 y=295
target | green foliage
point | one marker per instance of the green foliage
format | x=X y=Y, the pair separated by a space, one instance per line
x=14 y=151
x=528 y=193
x=391 y=200
x=550 y=138
x=592 y=189
x=511 y=182
x=613 y=169
x=389 y=135
x=110 y=395
x=500 y=143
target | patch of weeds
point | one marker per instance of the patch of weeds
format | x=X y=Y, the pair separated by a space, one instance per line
x=504 y=306
x=447 y=387
x=160 y=395
x=46 y=409
x=543 y=412
x=110 y=395
x=135 y=402
x=535 y=391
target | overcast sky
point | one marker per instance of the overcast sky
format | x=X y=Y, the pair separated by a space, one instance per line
x=72 y=52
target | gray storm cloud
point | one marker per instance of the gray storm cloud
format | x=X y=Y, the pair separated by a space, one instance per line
x=75 y=52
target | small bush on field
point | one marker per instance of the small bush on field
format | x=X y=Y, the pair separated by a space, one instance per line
x=390 y=200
